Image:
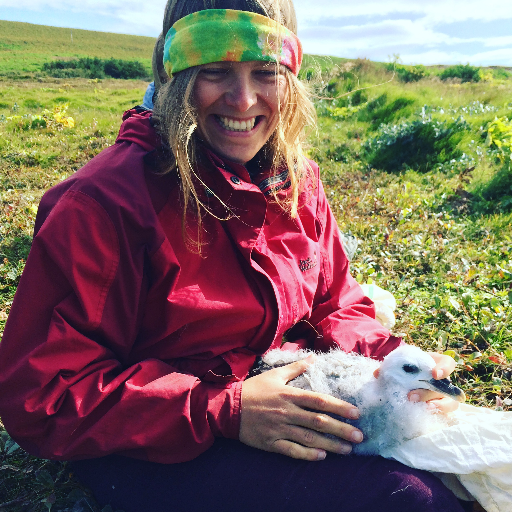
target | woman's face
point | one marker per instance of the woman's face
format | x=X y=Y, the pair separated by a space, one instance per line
x=237 y=106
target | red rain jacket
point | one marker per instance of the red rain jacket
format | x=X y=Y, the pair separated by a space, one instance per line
x=122 y=340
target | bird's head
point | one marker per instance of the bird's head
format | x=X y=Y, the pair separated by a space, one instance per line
x=408 y=368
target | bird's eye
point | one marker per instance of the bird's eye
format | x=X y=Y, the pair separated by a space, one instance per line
x=410 y=368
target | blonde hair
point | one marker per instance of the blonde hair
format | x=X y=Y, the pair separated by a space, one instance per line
x=175 y=116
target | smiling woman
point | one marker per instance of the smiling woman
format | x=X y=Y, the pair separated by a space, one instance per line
x=213 y=39
x=237 y=105
x=147 y=315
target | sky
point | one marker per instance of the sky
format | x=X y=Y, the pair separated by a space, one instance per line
x=478 y=32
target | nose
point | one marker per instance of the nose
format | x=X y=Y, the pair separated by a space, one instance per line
x=242 y=93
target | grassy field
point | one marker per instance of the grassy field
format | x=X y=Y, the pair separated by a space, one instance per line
x=25 y=47
x=419 y=172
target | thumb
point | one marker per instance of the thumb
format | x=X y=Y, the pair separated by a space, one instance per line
x=293 y=370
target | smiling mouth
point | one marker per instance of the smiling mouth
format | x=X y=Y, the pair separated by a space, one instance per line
x=234 y=125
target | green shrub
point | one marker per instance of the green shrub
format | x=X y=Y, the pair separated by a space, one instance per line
x=338 y=153
x=496 y=194
x=352 y=100
x=124 y=69
x=347 y=106
x=30 y=103
x=71 y=73
x=408 y=74
x=307 y=75
x=465 y=73
x=419 y=145
x=358 y=98
x=377 y=103
x=379 y=112
x=84 y=67
x=501 y=74
x=499 y=140
x=96 y=68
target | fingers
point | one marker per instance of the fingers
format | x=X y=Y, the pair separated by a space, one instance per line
x=444 y=365
x=314 y=439
x=292 y=421
x=307 y=401
x=434 y=400
x=296 y=451
x=326 y=403
x=302 y=443
x=443 y=405
x=423 y=395
x=316 y=424
x=293 y=370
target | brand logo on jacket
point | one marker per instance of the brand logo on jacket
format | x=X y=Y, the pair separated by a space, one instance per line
x=307 y=264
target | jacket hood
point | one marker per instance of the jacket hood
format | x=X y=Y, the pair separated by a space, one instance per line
x=137 y=127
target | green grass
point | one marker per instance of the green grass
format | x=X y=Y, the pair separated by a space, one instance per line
x=438 y=236
x=25 y=47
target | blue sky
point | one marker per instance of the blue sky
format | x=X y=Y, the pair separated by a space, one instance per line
x=421 y=32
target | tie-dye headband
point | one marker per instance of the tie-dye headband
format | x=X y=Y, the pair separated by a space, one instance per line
x=216 y=35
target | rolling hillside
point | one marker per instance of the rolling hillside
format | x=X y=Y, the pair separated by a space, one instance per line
x=25 y=47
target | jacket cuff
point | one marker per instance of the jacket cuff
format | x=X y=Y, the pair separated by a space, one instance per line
x=224 y=406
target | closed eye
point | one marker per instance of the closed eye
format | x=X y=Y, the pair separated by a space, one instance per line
x=271 y=70
x=214 y=71
x=266 y=72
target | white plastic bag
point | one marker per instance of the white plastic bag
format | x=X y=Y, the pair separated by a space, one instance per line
x=477 y=451
x=384 y=302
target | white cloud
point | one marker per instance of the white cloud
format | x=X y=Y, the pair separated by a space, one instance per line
x=498 y=41
x=375 y=29
x=433 y=11
x=501 y=56
x=134 y=11
x=122 y=16
x=372 y=35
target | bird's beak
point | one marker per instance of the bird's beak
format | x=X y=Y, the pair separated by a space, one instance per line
x=446 y=388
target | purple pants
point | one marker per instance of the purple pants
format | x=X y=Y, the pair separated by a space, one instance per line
x=232 y=477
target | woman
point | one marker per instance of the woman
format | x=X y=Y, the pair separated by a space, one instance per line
x=164 y=267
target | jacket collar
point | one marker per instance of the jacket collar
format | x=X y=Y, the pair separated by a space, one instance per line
x=266 y=181
x=137 y=128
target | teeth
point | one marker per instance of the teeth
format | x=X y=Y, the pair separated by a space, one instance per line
x=237 y=126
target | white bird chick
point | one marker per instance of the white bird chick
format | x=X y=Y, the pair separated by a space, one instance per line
x=408 y=368
x=387 y=416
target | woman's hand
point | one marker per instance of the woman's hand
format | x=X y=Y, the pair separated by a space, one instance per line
x=283 y=419
x=444 y=367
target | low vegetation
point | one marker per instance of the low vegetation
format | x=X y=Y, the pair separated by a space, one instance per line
x=465 y=73
x=96 y=68
x=418 y=169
